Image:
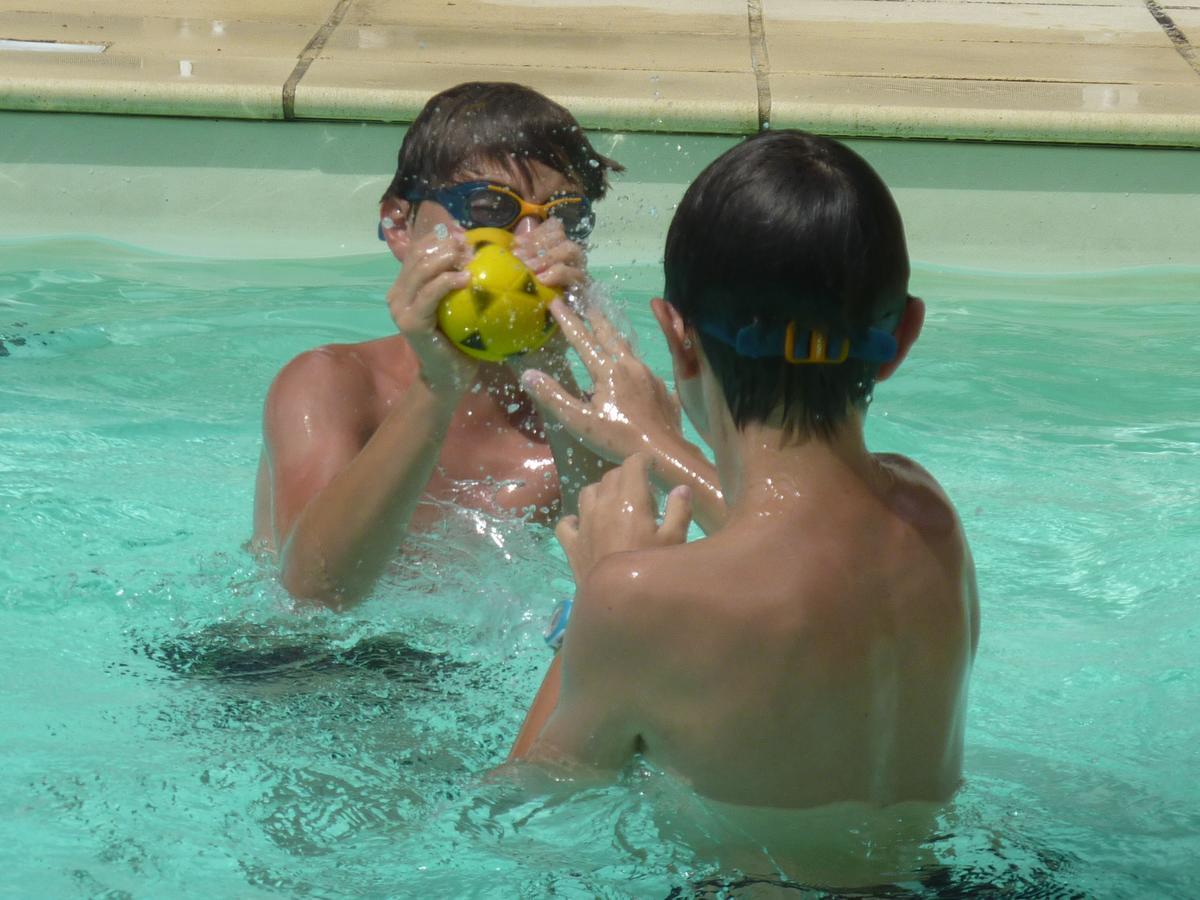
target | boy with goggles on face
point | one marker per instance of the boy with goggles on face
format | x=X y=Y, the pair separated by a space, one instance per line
x=804 y=667
x=362 y=441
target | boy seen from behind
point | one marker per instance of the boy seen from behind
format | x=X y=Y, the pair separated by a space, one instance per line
x=813 y=651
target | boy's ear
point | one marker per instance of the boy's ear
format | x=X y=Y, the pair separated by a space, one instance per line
x=907 y=332
x=685 y=355
x=394 y=226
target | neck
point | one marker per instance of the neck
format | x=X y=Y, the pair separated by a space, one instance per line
x=760 y=469
x=496 y=386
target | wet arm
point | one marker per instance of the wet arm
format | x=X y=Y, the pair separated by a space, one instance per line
x=341 y=507
x=583 y=713
x=578 y=464
x=539 y=712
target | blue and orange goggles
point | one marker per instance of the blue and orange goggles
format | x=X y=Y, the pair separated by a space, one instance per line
x=805 y=346
x=484 y=204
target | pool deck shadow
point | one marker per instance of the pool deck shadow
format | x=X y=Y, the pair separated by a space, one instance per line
x=1124 y=72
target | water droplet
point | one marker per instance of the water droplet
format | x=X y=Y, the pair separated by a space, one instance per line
x=441 y=231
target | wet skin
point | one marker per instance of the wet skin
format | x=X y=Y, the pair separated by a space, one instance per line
x=363 y=441
x=813 y=650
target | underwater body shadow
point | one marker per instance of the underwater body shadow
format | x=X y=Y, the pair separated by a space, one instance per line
x=246 y=653
x=1041 y=881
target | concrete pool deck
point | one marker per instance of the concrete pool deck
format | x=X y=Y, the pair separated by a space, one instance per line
x=1123 y=72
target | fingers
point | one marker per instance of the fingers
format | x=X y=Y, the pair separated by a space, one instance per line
x=634 y=481
x=438 y=251
x=625 y=491
x=567 y=534
x=555 y=260
x=579 y=337
x=431 y=271
x=548 y=244
x=677 y=516
x=554 y=400
x=619 y=514
x=588 y=498
x=541 y=255
x=425 y=302
x=424 y=264
x=562 y=276
x=610 y=340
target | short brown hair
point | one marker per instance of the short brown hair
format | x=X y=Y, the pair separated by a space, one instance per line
x=788 y=227
x=492 y=120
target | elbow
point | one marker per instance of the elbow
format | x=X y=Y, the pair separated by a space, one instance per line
x=307 y=592
x=306 y=579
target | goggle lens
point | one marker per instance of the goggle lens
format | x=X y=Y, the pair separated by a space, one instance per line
x=480 y=204
x=494 y=207
x=575 y=215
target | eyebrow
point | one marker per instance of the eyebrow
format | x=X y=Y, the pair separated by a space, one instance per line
x=469 y=173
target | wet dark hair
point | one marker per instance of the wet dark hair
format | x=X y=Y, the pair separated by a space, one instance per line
x=788 y=226
x=495 y=121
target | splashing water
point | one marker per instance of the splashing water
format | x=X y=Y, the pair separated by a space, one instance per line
x=172 y=721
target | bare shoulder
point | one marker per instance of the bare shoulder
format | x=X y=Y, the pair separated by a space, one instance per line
x=331 y=370
x=329 y=388
x=625 y=607
x=611 y=599
x=918 y=497
x=921 y=502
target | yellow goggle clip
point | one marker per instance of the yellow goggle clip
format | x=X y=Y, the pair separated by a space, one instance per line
x=818 y=348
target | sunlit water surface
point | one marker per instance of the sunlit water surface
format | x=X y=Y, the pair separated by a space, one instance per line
x=172 y=727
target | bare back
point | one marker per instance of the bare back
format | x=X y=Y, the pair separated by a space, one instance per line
x=795 y=660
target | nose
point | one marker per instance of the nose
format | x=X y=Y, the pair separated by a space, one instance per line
x=526 y=224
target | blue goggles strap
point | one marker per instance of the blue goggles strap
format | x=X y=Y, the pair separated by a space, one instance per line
x=805 y=347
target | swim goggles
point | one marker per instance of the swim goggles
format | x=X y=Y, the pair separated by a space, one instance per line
x=484 y=204
x=805 y=346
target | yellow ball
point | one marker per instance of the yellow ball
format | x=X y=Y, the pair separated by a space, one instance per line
x=504 y=311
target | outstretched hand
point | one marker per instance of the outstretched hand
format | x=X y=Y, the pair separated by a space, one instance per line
x=629 y=408
x=618 y=514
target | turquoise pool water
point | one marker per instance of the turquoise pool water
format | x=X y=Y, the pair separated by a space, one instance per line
x=172 y=728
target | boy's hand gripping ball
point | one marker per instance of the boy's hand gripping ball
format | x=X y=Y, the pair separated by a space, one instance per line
x=504 y=311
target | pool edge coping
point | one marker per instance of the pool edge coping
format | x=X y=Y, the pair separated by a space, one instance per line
x=392 y=106
x=691 y=101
